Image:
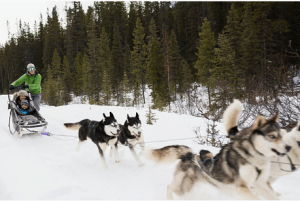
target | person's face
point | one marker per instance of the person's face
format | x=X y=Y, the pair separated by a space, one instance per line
x=24 y=107
x=22 y=98
x=31 y=70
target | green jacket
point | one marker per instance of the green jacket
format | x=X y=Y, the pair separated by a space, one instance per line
x=34 y=82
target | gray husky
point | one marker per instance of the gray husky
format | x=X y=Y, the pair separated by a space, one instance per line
x=238 y=167
x=281 y=165
x=287 y=164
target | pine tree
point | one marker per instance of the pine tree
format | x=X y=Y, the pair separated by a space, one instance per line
x=185 y=78
x=156 y=76
x=176 y=69
x=53 y=38
x=55 y=80
x=152 y=33
x=166 y=52
x=117 y=62
x=106 y=89
x=228 y=56
x=231 y=84
x=206 y=56
x=67 y=80
x=125 y=91
x=76 y=33
x=138 y=60
x=50 y=92
x=88 y=83
x=250 y=52
x=150 y=116
x=93 y=52
x=268 y=57
x=105 y=59
x=78 y=79
x=56 y=65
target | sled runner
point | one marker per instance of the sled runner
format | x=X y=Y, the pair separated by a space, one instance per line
x=21 y=124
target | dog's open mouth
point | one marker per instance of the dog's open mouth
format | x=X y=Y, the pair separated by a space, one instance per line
x=278 y=153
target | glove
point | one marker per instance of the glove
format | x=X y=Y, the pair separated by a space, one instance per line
x=26 y=86
x=11 y=87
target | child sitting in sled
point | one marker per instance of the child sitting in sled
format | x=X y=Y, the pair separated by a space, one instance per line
x=25 y=106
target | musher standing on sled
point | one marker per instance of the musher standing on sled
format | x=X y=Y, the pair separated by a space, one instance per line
x=33 y=80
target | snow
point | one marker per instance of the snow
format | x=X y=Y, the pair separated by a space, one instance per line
x=37 y=167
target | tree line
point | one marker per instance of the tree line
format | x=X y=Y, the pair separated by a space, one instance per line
x=113 y=51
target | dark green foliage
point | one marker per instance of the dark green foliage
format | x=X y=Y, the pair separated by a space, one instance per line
x=117 y=71
x=138 y=61
x=76 y=34
x=235 y=49
x=53 y=38
x=156 y=75
x=206 y=54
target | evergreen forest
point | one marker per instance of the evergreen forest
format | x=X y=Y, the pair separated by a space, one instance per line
x=241 y=50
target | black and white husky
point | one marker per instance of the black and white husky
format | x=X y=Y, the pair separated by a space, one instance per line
x=102 y=133
x=131 y=135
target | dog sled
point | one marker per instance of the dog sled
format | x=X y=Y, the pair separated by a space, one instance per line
x=20 y=124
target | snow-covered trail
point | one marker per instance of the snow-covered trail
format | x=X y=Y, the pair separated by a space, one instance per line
x=42 y=167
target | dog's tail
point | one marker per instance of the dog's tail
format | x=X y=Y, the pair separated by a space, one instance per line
x=73 y=126
x=231 y=116
x=167 y=155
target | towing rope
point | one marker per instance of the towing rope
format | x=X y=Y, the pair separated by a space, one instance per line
x=74 y=137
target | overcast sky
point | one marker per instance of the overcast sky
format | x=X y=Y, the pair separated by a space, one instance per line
x=29 y=12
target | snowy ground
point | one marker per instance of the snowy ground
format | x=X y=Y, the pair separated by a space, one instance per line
x=48 y=168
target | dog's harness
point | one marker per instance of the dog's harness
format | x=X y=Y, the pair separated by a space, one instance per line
x=293 y=167
x=202 y=168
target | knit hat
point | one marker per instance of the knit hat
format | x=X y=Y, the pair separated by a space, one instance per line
x=25 y=102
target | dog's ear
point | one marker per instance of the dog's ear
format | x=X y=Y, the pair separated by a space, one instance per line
x=111 y=115
x=104 y=117
x=259 y=121
x=137 y=115
x=127 y=120
x=274 y=118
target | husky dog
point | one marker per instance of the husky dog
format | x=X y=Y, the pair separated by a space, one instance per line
x=102 y=133
x=283 y=165
x=240 y=165
x=286 y=165
x=167 y=154
x=131 y=135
